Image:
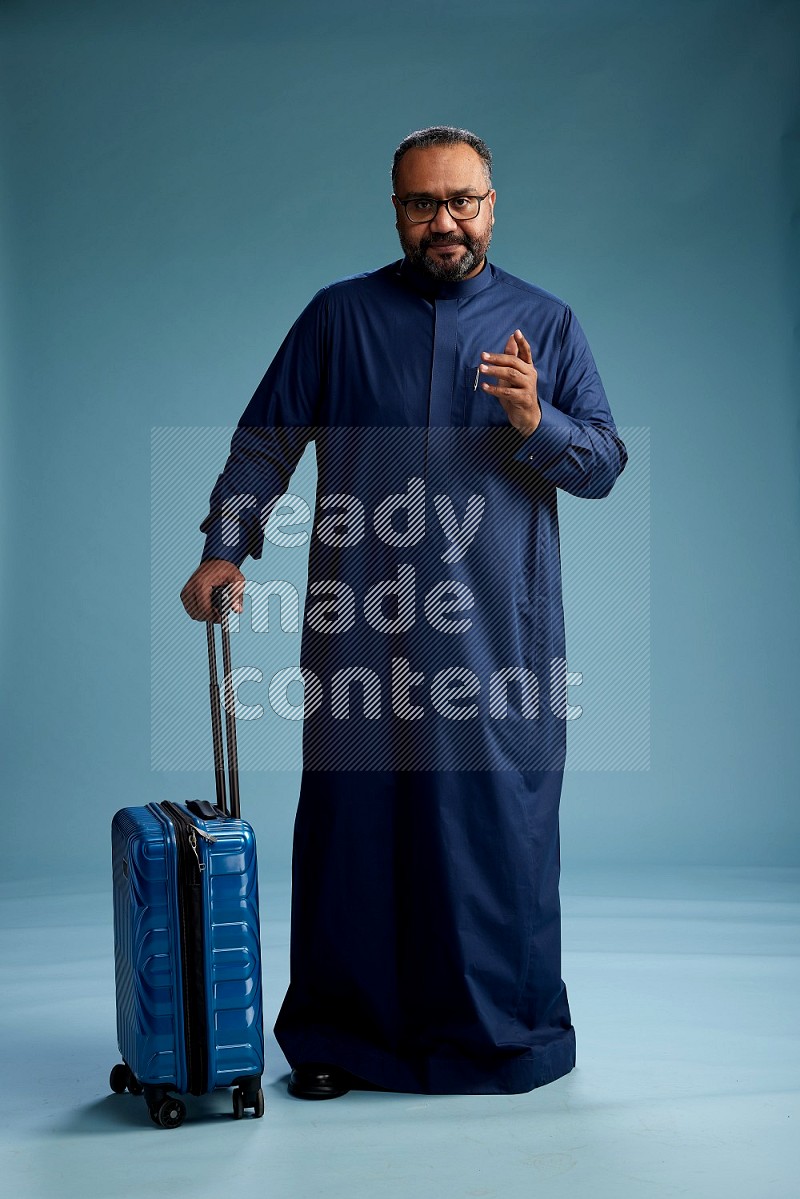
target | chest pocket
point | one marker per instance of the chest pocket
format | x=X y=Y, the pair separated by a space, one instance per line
x=480 y=408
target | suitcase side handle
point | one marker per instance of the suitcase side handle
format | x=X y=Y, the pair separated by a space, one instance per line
x=220 y=601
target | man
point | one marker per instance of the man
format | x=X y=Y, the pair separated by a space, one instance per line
x=425 y=941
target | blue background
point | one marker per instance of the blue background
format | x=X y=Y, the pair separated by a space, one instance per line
x=179 y=179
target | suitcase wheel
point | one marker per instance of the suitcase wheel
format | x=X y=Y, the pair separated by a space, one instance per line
x=123 y=1079
x=168 y=1113
x=256 y=1102
x=119 y=1078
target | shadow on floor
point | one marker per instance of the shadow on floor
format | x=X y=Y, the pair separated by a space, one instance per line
x=115 y=1112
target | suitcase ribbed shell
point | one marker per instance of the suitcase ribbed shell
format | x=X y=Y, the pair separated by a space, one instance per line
x=150 y=1029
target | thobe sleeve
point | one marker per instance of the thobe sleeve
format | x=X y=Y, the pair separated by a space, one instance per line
x=269 y=440
x=575 y=445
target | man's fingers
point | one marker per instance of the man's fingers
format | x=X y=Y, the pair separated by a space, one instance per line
x=189 y=600
x=510 y=393
x=513 y=374
x=202 y=609
x=516 y=348
x=232 y=592
x=501 y=360
x=235 y=581
x=524 y=349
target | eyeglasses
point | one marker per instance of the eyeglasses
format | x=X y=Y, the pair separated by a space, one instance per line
x=422 y=209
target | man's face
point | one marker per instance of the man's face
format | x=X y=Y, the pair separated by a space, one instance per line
x=444 y=247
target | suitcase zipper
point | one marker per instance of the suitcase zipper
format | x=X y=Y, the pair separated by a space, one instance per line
x=191 y=917
x=193 y=842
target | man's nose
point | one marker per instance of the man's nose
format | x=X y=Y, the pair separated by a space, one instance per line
x=443 y=222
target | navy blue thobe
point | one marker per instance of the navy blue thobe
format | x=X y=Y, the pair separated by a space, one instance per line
x=425 y=936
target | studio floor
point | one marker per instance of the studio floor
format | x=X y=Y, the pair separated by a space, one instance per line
x=683 y=987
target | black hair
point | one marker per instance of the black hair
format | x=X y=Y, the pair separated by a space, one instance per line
x=443 y=135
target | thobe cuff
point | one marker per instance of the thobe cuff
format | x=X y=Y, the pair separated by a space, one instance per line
x=215 y=546
x=213 y=549
x=549 y=439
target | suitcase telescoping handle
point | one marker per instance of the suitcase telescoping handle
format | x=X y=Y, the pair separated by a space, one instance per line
x=221 y=603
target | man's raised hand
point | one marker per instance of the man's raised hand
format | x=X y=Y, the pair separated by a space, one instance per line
x=516 y=383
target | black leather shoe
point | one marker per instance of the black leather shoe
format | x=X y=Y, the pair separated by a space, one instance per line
x=316 y=1080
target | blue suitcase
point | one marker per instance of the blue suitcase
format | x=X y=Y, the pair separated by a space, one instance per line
x=186 y=939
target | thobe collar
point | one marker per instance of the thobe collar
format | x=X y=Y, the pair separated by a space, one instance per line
x=440 y=289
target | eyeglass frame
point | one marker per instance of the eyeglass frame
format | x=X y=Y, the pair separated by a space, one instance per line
x=439 y=203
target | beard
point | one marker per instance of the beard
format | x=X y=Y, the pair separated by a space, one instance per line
x=439 y=268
